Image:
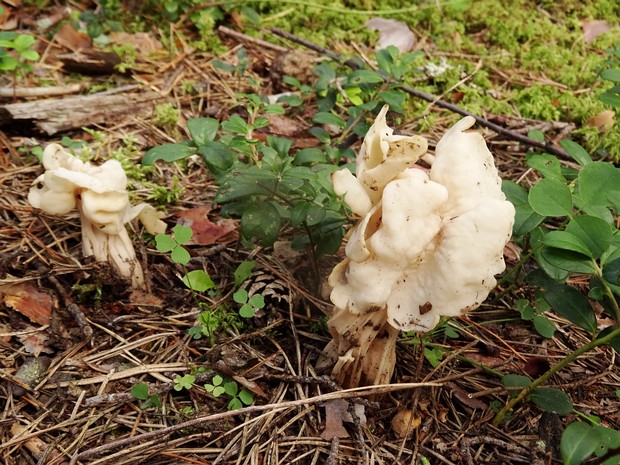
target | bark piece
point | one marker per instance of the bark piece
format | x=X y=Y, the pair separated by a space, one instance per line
x=56 y=115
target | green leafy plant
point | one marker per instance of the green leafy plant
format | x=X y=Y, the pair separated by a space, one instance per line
x=567 y=225
x=611 y=96
x=141 y=392
x=196 y=280
x=16 y=52
x=239 y=397
x=249 y=305
x=184 y=382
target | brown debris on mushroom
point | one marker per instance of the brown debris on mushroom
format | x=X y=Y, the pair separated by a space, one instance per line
x=428 y=244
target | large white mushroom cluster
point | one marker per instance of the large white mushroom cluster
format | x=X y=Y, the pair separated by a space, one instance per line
x=428 y=244
x=99 y=193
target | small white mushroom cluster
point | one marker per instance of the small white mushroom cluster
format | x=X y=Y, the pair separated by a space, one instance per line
x=428 y=244
x=100 y=195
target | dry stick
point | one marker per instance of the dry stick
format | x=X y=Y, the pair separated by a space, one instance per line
x=345 y=394
x=430 y=98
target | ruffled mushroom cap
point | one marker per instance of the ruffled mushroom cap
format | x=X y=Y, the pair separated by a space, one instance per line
x=429 y=246
x=100 y=195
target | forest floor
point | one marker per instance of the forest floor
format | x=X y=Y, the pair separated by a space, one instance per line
x=76 y=339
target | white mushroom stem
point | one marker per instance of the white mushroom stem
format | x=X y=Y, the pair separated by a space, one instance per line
x=100 y=195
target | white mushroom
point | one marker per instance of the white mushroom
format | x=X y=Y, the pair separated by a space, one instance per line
x=429 y=246
x=100 y=195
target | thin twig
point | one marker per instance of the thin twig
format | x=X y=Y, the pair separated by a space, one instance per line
x=430 y=98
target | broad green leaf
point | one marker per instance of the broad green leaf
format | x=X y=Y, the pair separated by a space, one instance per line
x=257 y=301
x=576 y=152
x=244 y=271
x=615 y=341
x=234 y=404
x=182 y=234
x=202 y=130
x=552 y=400
x=610 y=98
x=544 y=326
x=526 y=219
x=566 y=241
x=565 y=260
x=595 y=180
x=310 y=156
x=394 y=98
x=572 y=305
x=246 y=311
x=611 y=75
x=180 y=255
x=594 y=232
x=140 y=391
x=262 y=222
x=217 y=156
x=231 y=388
x=324 y=117
x=8 y=63
x=579 y=441
x=23 y=41
x=614 y=199
x=610 y=439
x=550 y=197
x=611 y=272
x=30 y=55
x=165 y=243
x=536 y=134
x=548 y=165
x=198 y=280
x=168 y=153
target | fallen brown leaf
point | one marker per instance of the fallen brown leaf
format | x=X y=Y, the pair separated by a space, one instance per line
x=334 y=412
x=72 y=39
x=204 y=231
x=404 y=422
x=27 y=300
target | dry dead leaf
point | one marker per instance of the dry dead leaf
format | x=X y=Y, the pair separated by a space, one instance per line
x=138 y=297
x=334 y=412
x=143 y=42
x=404 y=422
x=72 y=39
x=604 y=121
x=27 y=300
x=392 y=32
x=204 y=231
x=593 y=29
x=465 y=398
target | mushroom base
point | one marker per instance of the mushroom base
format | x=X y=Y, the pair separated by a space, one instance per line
x=363 y=349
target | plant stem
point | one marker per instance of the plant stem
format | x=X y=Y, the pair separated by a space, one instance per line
x=553 y=370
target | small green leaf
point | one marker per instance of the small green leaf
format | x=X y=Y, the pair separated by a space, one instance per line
x=235 y=404
x=202 y=130
x=548 y=165
x=165 y=243
x=236 y=125
x=526 y=219
x=324 y=117
x=182 y=234
x=218 y=391
x=231 y=388
x=565 y=260
x=572 y=305
x=23 y=41
x=217 y=380
x=579 y=441
x=244 y=271
x=180 y=255
x=514 y=382
x=364 y=76
x=198 y=280
x=576 y=151
x=30 y=55
x=168 y=153
x=610 y=98
x=246 y=397
x=184 y=382
x=241 y=296
x=257 y=301
x=246 y=311
x=550 y=197
x=140 y=391
x=544 y=326
x=552 y=400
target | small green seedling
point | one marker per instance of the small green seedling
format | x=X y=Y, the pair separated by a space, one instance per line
x=249 y=305
x=16 y=52
x=141 y=392
x=184 y=382
x=220 y=385
x=196 y=280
